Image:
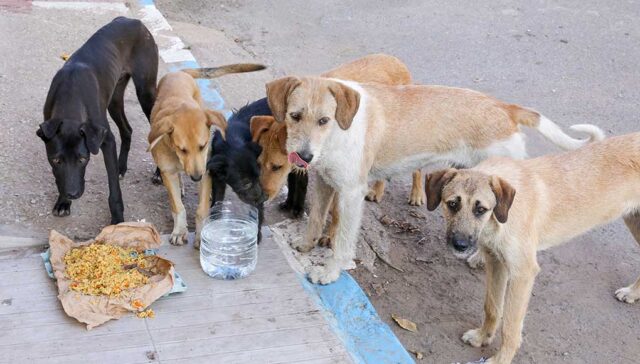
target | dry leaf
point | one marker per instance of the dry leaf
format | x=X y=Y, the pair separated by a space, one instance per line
x=405 y=324
x=65 y=56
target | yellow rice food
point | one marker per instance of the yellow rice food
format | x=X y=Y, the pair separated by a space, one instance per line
x=101 y=269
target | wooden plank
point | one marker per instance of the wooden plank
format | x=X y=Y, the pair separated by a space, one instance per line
x=31 y=332
x=138 y=354
x=179 y=316
x=83 y=344
x=191 y=299
x=270 y=355
x=234 y=327
x=229 y=344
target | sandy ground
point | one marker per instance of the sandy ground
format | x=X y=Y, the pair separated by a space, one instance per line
x=575 y=61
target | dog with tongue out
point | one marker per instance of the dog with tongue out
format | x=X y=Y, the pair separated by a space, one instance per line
x=296 y=159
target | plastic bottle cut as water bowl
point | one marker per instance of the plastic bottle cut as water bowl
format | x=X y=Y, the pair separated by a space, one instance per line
x=228 y=241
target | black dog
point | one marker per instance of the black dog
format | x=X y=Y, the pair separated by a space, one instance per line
x=91 y=82
x=234 y=161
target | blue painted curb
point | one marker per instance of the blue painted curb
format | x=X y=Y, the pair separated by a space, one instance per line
x=351 y=315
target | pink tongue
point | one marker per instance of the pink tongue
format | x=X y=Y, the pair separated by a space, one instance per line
x=295 y=159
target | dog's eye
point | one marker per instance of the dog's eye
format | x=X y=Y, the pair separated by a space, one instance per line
x=275 y=167
x=83 y=160
x=202 y=147
x=183 y=150
x=295 y=115
x=453 y=205
x=480 y=210
x=323 y=120
x=56 y=161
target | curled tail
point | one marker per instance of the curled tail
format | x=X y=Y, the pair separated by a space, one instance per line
x=551 y=131
x=213 y=72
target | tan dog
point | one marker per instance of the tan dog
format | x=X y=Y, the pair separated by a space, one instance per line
x=352 y=132
x=512 y=209
x=179 y=139
x=272 y=136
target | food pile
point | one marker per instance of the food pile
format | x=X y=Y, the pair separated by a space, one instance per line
x=103 y=269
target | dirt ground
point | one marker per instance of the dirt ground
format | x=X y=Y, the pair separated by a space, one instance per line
x=576 y=62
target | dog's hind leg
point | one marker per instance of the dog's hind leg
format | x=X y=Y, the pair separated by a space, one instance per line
x=376 y=192
x=299 y=194
x=116 y=111
x=110 y=154
x=631 y=293
x=417 y=197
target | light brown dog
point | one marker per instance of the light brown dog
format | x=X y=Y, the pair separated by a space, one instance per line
x=351 y=132
x=512 y=209
x=179 y=139
x=272 y=136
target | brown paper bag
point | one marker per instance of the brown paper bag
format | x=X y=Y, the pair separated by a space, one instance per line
x=96 y=310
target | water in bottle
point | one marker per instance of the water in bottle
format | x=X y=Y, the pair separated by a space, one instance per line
x=228 y=241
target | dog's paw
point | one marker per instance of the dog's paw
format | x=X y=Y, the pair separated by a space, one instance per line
x=628 y=294
x=157 y=177
x=284 y=206
x=416 y=198
x=196 y=242
x=324 y=274
x=324 y=242
x=476 y=260
x=302 y=245
x=179 y=238
x=297 y=212
x=476 y=338
x=374 y=196
x=62 y=208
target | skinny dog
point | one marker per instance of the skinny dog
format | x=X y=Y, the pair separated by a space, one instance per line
x=512 y=209
x=351 y=132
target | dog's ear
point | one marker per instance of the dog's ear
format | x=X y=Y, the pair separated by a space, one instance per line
x=278 y=92
x=255 y=148
x=48 y=129
x=260 y=125
x=433 y=185
x=348 y=102
x=504 y=198
x=93 y=136
x=281 y=137
x=217 y=165
x=217 y=121
x=159 y=130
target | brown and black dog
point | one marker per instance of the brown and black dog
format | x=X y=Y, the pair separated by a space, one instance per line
x=179 y=138
x=511 y=209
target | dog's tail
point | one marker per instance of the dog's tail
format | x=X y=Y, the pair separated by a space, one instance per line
x=213 y=72
x=552 y=131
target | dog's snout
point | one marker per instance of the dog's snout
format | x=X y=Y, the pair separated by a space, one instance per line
x=460 y=244
x=306 y=156
x=196 y=177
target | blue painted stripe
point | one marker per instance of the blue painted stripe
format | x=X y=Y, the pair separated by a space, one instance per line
x=209 y=94
x=145 y=2
x=351 y=315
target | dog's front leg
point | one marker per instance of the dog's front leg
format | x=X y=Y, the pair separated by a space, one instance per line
x=493 y=303
x=516 y=301
x=318 y=215
x=172 y=183
x=204 y=202
x=116 y=206
x=350 y=204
